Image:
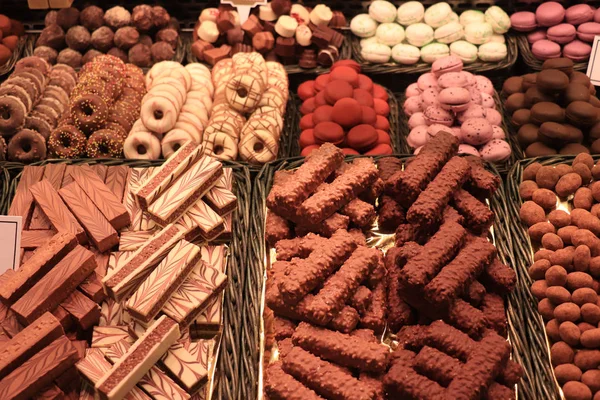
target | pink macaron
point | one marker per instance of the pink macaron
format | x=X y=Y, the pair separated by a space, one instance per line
x=437 y=128
x=587 y=31
x=550 y=13
x=484 y=84
x=475 y=95
x=597 y=15
x=487 y=100
x=437 y=115
x=447 y=64
x=417 y=119
x=429 y=98
x=417 y=137
x=453 y=79
x=474 y=111
x=477 y=131
x=562 y=33
x=427 y=81
x=413 y=90
x=498 y=133
x=523 y=21
x=495 y=150
x=579 y=14
x=492 y=115
x=545 y=49
x=534 y=36
x=412 y=105
x=577 y=51
x=467 y=149
x=454 y=99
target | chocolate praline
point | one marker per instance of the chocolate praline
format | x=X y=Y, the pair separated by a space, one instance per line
x=78 y=38
x=162 y=51
x=117 y=17
x=145 y=39
x=50 y=18
x=174 y=24
x=169 y=36
x=67 y=17
x=126 y=37
x=52 y=36
x=160 y=17
x=47 y=53
x=119 y=53
x=141 y=17
x=140 y=55
x=70 y=57
x=92 y=17
x=102 y=38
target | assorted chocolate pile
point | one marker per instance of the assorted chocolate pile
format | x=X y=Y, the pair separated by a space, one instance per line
x=279 y=30
x=441 y=287
x=560 y=208
x=555 y=110
x=79 y=318
x=142 y=37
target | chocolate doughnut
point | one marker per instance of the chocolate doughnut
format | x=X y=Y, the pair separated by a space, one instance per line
x=39 y=125
x=33 y=62
x=105 y=143
x=26 y=84
x=27 y=146
x=17 y=91
x=89 y=112
x=2 y=149
x=67 y=142
x=12 y=115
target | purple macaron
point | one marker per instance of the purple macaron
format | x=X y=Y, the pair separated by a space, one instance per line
x=587 y=31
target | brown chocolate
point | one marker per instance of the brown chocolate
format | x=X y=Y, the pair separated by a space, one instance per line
x=82 y=309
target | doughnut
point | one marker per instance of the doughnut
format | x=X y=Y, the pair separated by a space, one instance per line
x=117 y=128
x=258 y=147
x=173 y=141
x=67 y=142
x=27 y=146
x=39 y=125
x=195 y=133
x=66 y=68
x=243 y=92
x=105 y=143
x=33 y=62
x=51 y=114
x=142 y=146
x=159 y=114
x=53 y=103
x=12 y=115
x=158 y=69
x=19 y=92
x=26 y=84
x=30 y=73
x=220 y=145
x=89 y=112
x=2 y=149
x=57 y=93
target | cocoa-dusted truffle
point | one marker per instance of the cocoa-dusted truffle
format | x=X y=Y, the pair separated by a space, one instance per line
x=78 y=38
x=47 y=53
x=70 y=57
x=199 y=47
x=160 y=17
x=162 y=51
x=67 y=17
x=174 y=24
x=117 y=17
x=141 y=17
x=145 y=39
x=281 y=7
x=90 y=55
x=52 y=36
x=50 y=18
x=115 y=51
x=168 y=35
x=140 y=55
x=92 y=18
x=102 y=38
x=126 y=37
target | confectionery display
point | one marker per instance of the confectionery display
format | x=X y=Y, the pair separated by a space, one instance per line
x=554 y=32
x=440 y=288
x=32 y=101
x=346 y=108
x=281 y=31
x=555 y=111
x=560 y=211
x=10 y=32
x=118 y=294
x=143 y=36
x=459 y=102
x=410 y=33
x=101 y=110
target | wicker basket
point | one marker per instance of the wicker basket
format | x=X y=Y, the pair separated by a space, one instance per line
x=227 y=380
x=503 y=168
x=16 y=55
x=536 y=64
x=256 y=271
x=345 y=53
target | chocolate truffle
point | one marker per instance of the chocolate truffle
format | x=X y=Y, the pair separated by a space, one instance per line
x=122 y=55
x=117 y=17
x=78 y=38
x=140 y=55
x=92 y=18
x=281 y=7
x=225 y=21
x=174 y=24
x=126 y=37
x=47 y=53
x=70 y=57
x=168 y=35
x=102 y=38
x=67 y=17
x=52 y=36
x=90 y=55
x=235 y=35
x=160 y=17
x=142 y=17
x=199 y=47
x=162 y=51
x=145 y=39
x=50 y=18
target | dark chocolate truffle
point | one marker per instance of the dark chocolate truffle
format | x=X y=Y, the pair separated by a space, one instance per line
x=117 y=17
x=126 y=37
x=160 y=17
x=47 y=53
x=140 y=55
x=50 y=18
x=281 y=7
x=102 y=38
x=145 y=39
x=52 y=36
x=141 y=17
x=67 y=17
x=70 y=57
x=115 y=51
x=169 y=36
x=92 y=18
x=90 y=55
x=235 y=35
x=78 y=38
x=162 y=51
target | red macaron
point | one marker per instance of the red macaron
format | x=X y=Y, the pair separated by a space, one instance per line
x=306 y=90
x=346 y=63
x=309 y=149
x=347 y=113
x=362 y=137
x=380 y=93
x=308 y=106
x=320 y=99
x=329 y=132
x=337 y=90
x=383 y=137
x=364 y=82
x=321 y=82
x=379 y=150
x=307 y=138
x=345 y=74
x=363 y=97
x=350 y=152
x=307 y=122
x=322 y=114
x=382 y=123
x=381 y=107
x=369 y=116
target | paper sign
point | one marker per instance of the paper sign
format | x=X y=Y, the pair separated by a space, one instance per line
x=244 y=7
x=10 y=242
x=593 y=71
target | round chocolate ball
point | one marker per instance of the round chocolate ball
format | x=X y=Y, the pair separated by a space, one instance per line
x=147 y=40
x=67 y=17
x=141 y=17
x=70 y=57
x=160 y=17
x=117 y=17
x=78 y=38
x=117 y=52
x=162 y=51
x=140 y=55
x=90 y=55
x=126 y=37
x=50 y=18
x=92 y=18
x=47 y=53
x=168 y=35
x=52 y=36
x=102 y=39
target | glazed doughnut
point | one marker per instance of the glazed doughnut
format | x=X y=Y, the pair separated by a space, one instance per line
x=203 y=98
x=190 y=123
x=191 y=130
x=142 y=146
x=171 y=85
x=27 y=146
x=220 y=145
x=26 y=84
x=62 y=80
x=33 y=62
x=33 y=78
x=54 y=104
x=2 y=149
x=243 y=92
x=12 y=115
x=197 y=109
x=258 y=147
x=105 y=143
x=66 y=68
x=159 y=114
x=39 y=125
x=57 y=93
x=273 y=97
x=19 y=92
x=89 y=112
x=173 y=141
x=67 y=142
x=264 y=125
x=158 y=69
x=46 y=112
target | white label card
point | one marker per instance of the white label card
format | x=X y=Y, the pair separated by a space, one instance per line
x=10 y=242
x=593 y=71
x=244 y=7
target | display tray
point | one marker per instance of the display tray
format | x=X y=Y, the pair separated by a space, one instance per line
x=257 y=353
x=539 y=362
x=503 y=168
x=536 y=64
x=345 y=53
x=225 y=367
x=16 y=55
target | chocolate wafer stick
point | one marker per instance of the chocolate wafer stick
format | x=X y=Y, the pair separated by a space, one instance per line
x=22 y=204
x=492 y=307
x=281 y=386
x=326 y=228
x=53 y=173
x=116 y=180
x=83 y=310
x=499 y=277
x=35 y=239
x=478 y=216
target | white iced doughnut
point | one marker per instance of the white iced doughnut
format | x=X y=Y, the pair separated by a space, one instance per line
x=158 y=69
x=173 y=141
x=243 y=92
x=286 y=26
x=258 y=147
x=159 y=114
x=221 y=146
x=141 y=146
x=190 y=129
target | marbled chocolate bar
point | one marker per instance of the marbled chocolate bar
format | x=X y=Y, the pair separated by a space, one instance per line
x=83 y=310
x=186 y=368
x=106 y=336
x=53 y=173
x=201 y=220
x=116 y=180
x=92 y=288
x=35 y=239
x=51 y=392
x=111 y=313
x=22 y=203
x=220 y=197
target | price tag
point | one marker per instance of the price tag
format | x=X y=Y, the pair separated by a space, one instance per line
x=244 y=6
x=10 y=242
x=593 y=71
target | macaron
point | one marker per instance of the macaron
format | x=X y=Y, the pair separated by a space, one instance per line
x=468 y=150
x=474 y=111
x=437 y=115
x=429 y=98
x=308 y=106
x=369 y=116
x=413 y=90
x=434 y=51
x=390 y=34
x=417 y=119
x=307 y=138
x=336 y=90
x=382 y=123
x=498 y=19
x=381 y=107
x=587 y=31
x=523 y=21
x=349 y=152
x=306 y=90
x=492 y=52
x=447 y=64
x=495 y=150
x=478 y=32
x=427 y=80
x=487 y=101
x=454 y=99
x=417 y=137
x=306 y=122
x=467 y=52
x=322 y=81
x=364 y=97
x=438 y=14
x=562 y=33
x=498 y=133
x=309 y=149
x=546 y=49
x=361 y=137
x=364 y=82
x=363 y=26
x=328 y=132
x=320 y=99
x=322 y=114
x=449 y=33
x=579 y=14
x=380 y=149
x=382 y=11
x=410 y=13
x=549 y=13
x=419 y=34
x=577 y=51
x=383 y=138
x=493 y=116
x=476 y=131
x=347 y=113
x=470 y=16
x=380 y=93
x=484 y=84
x=346 y=74
x=406 y=54
x=376 y=53
x=453 y=79
x=536 y=35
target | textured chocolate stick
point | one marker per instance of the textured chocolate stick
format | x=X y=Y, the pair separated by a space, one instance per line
x=82 y=309
x=374 y=317
x=281 y=386
x=22 y=204
x=477 y=215
x=53 y=173
x=116 y=180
